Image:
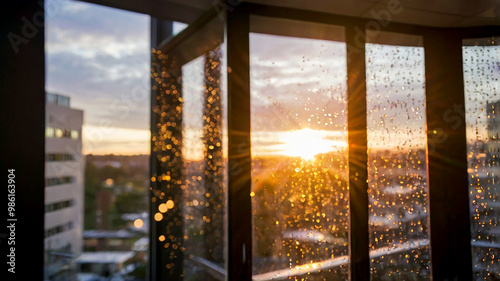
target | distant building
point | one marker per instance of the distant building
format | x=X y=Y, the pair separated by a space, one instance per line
x=64 y=183
x=492 y=184
x=94 y=266
x=109 y=240
x=493 y=144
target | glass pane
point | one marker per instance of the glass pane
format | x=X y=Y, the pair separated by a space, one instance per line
x=52 y=98
x=299 y=158
x=204 y=164
x=97 y=147
x=397 y=169
x=49 y=132
x=190 y=180
x=58 y=133
x=481 y=61
x=63 y=101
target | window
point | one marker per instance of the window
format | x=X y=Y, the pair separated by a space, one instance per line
x=58 y=99
x=190 y=144
x=482 y=104
x=459 y=154
x=59 y=157
x=341 y=158
x=299 y=162
x=59 y=205
x=58 y=181
x=97 y=150
x=58 y=229
x=397 y=160
x=51 y=132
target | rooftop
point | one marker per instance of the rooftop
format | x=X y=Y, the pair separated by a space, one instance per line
x=105 y=257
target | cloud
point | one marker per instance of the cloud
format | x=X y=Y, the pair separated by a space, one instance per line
x=297 y=83
x=100 y=57
x=76 y=18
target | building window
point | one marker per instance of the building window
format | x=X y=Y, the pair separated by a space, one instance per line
x=58 y=181
x=59 y=157
x=58 y=99
x=51 y=132
x=59 y=205
x=59 y=229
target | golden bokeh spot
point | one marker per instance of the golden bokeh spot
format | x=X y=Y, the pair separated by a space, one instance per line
x=170 y=204
x=162 y=208
x=158 y=217
x=138 y=223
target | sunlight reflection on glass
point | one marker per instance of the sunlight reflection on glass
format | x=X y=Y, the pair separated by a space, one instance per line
x=299 y=157
x=307 y=143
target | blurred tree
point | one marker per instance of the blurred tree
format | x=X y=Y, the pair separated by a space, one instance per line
x=92 y=186
x=130 y=202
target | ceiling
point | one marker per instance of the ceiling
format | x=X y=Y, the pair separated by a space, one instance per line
x=437 y=13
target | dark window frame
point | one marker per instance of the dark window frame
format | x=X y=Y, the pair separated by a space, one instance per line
x=29 y=164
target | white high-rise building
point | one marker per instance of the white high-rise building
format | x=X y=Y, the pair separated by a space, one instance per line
x=64 y=187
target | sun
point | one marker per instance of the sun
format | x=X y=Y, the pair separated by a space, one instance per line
x=305 y=143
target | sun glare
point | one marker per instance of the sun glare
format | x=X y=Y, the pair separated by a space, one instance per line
x=305 y=143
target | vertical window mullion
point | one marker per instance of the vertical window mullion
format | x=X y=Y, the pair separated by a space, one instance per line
x=447 y=162
x=239 y=257
x=357 y=140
